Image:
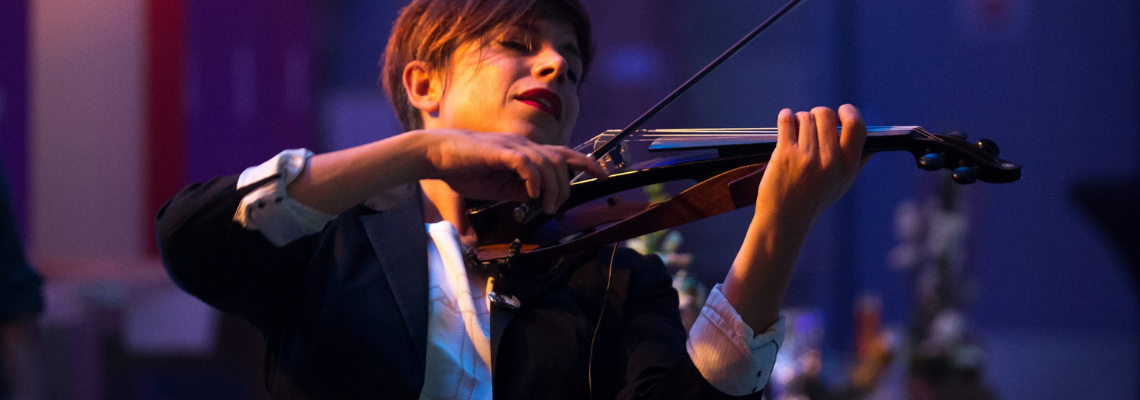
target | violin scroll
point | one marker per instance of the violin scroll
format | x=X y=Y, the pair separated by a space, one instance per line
x=969 y=162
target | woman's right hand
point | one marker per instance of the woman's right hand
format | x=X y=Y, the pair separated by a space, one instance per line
x=478 y=165
x=503 y=166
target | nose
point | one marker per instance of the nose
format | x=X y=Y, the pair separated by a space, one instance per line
x=549 y=65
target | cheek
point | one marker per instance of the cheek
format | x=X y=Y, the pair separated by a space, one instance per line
x=486 y=92
x=469 y=103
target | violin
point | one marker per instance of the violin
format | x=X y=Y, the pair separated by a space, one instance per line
x=727 y=165
x=727 y=174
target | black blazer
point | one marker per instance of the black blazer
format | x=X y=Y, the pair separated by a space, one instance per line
x=344 y=312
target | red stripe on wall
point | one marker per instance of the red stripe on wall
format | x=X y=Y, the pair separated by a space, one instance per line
x=165 y=119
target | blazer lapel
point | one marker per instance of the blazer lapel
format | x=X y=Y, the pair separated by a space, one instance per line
x=399 y=240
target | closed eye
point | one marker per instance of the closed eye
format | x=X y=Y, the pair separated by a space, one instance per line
x=516 y=46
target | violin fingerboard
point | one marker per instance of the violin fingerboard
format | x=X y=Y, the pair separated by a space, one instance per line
x=697 y=139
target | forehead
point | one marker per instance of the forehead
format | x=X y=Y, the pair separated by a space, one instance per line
x=561 y=35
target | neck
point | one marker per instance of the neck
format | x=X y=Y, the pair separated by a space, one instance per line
x=444 y=204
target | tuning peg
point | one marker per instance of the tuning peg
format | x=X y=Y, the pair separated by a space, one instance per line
x=988 y=146
x=931 y=162
x=958 y=134
x=965 y=175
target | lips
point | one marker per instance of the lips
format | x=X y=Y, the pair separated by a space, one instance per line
x=544 y=100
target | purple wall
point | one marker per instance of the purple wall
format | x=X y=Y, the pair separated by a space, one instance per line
x=14 y=103
x=248 y=85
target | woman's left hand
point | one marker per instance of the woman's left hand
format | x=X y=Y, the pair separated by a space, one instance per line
x=813 y=165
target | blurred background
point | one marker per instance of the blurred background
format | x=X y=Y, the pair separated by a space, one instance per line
x=907 y=288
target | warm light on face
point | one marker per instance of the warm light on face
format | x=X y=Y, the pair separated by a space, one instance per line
x=522 y=81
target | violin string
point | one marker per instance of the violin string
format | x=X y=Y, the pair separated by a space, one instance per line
x=691 y=134
x=927 y=134
x=699 y=135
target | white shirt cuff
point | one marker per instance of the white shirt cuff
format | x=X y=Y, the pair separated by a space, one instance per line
x=269 y=209
x=727 y=352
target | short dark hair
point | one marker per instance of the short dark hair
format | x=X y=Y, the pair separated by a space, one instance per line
x=432 y=30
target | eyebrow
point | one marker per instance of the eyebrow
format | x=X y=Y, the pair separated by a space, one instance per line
x=570 y=48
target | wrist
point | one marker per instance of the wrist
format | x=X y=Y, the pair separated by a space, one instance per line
x=760 y=275
x=421 y=153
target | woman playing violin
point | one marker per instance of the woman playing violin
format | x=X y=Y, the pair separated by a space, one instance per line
x=352 y=264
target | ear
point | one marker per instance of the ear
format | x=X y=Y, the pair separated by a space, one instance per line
x=424 y=87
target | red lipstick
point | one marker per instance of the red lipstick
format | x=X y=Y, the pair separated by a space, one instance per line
x=544 y=100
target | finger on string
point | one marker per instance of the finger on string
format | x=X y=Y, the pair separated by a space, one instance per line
x=808 y=139
x=854 y=131
x=526 y=170
x=826 y=128
x=561 y=170
x=550 y=184
x=786 y=129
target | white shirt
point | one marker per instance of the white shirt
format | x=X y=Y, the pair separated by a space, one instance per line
x=459 y=322
x=727 y=352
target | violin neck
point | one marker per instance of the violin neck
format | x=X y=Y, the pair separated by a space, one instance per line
x=729 y=141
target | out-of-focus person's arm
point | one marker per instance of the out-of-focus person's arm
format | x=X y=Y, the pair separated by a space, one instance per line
x=20 y=304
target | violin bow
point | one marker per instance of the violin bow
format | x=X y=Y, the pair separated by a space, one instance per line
x=637 y=123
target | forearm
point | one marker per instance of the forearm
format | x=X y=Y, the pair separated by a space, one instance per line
x=811 y=167
x=759 y=277
x=336 y=181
